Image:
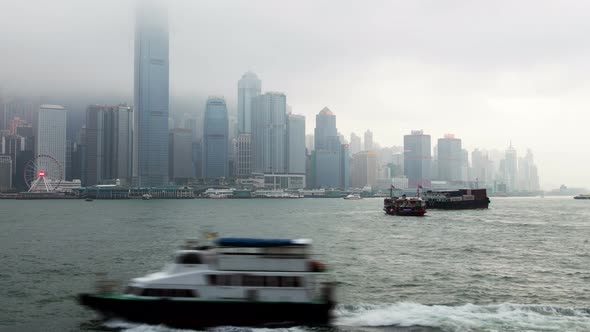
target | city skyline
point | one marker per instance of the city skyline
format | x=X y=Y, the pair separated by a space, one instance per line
x=518 y=100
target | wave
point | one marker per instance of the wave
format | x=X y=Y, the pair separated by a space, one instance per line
x=469 y=317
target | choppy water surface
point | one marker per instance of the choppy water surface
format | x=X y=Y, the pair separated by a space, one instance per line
x=522 y=265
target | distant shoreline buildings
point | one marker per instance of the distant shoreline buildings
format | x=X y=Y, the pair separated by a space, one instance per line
x=263 y=144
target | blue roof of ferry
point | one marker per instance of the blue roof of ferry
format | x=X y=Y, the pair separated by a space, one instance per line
x=250 y=242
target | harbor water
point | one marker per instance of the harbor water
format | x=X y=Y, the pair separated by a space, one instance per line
x=522 y=265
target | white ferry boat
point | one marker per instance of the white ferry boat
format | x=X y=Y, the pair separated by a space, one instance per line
x=236 y=282
x=353 y=197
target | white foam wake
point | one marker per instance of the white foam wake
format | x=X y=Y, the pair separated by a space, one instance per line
x=468 y=317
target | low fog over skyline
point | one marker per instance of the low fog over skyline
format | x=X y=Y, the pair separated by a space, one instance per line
x=490 y=73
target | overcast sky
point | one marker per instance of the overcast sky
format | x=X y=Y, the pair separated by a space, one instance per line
x=487 y=71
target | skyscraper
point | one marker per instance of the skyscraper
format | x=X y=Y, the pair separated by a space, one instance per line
x=368 y=140
x=449 y=158
x=99 y=143
x=215 y=136
x=527 y=173
x=151 y=89
x=243 y=158
x=482 y=167
x=417 y=159
x=295 y=144
x=326 y=133
x=51 y=137
x=355 y=144
x=109 y=144
x=181 y=155
x=309 y=143
x=330 y=159
x=269 y=133
x=124 y=143
x=5 y=173
x=364 y=169
x=510 y=169
x=248 y=89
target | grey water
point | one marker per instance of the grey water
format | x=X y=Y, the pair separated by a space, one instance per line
x=522 y=265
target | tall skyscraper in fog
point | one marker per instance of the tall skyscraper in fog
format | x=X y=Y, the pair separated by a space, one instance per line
x=364 y=169
x=181 y=155
x=51 y=136
x=326 y=134
x=248 y=89
x=215 y=139
x=269 y=133
x=295 y=144
x=449 y=158
x=355 y=144
x=151 y=95
x=417 y=159
x=109 y=144
x=511 y=169
x=368 y=140
x=330 y=159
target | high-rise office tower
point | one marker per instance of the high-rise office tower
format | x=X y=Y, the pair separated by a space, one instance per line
x=124 y=143
x=2 y=113
x=248 y=89
x=527 y=173
x=109 y=144
x=449 y=158
x=417 y=159
x=295 y=144
x=269 y=133
x=330 y=159
x=309 y=143
x=198 y=158
x=368 y=140
x=482 y=167
x=181 y=155
x=364 y=169
x=355 y=144
x=243 y=158
x=326 y=134
x=511 y=169
x=191 y=123
x=215 y=136
x=151 y=89
x=5 y=173
x=51 y=137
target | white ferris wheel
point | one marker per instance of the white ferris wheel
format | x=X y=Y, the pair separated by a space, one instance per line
x=43 y=174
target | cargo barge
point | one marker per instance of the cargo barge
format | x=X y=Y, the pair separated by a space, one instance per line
x=461 y=199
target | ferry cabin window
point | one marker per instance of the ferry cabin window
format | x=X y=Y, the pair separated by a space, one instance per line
x=164 y=292
x=224 y=280
x=188 y=258
x=271 y=281
x=254 y=280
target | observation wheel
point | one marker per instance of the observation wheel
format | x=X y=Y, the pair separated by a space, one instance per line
x=43 y=174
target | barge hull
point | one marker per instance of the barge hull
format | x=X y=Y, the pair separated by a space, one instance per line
x=459 y=205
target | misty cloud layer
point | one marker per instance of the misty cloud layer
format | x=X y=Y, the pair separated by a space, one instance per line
x=489 y=72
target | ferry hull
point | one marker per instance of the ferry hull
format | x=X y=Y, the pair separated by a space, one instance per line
x=191 y=314
x=413 y=213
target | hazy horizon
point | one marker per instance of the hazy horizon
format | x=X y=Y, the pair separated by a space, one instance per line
x=490 y=73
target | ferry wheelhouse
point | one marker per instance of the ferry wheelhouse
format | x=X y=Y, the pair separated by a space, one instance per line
x=237 y=281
